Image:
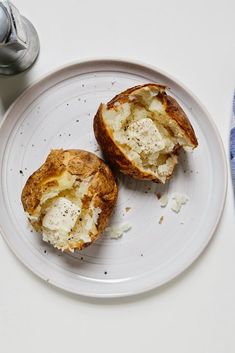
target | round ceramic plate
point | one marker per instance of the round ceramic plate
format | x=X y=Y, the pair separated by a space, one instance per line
x=57 y=112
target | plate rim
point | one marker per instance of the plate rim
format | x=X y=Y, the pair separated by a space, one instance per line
x=201 y=249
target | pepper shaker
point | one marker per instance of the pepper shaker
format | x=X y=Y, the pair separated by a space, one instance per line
x=19 y=42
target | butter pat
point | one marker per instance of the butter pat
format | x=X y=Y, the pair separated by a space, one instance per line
x=144 y=137
x=61 y=216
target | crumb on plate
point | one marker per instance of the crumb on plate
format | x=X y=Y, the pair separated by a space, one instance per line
x=127 y=209
x=116 y=232
x=163 y=200
x=161 y=220
x=178 y=200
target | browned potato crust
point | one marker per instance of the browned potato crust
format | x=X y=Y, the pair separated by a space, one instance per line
x=79 y=165
x=117 y=155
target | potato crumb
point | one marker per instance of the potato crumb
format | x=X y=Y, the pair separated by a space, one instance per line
x=178 y=201
x=161 y=220
x=163 y=200
x=158 y=194
x=116 y=232
x=127 y=209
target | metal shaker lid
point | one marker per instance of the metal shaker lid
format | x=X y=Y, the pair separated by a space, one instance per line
x=5 y=24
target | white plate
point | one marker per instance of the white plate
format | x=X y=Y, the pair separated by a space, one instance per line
x=58 y=111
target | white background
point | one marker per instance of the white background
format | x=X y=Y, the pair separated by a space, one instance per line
x=195 y=42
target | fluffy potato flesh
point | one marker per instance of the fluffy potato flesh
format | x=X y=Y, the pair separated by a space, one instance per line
x=143 y=125
x=65 y=218
x=70 y=210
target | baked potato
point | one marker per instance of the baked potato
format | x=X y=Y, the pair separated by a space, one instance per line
x=141 y=130
x=70 y=198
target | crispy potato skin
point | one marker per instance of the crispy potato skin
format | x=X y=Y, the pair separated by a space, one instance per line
x=114 y=154
x=103 y=188
x=124 y=96
x=175 y=111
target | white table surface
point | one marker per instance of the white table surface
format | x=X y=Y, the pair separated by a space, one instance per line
x=195 y=42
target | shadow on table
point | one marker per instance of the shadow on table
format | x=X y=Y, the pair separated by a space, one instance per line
x=11 y=87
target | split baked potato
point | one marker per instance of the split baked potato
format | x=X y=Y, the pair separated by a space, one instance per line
x=70 y=198
x=141 y=130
